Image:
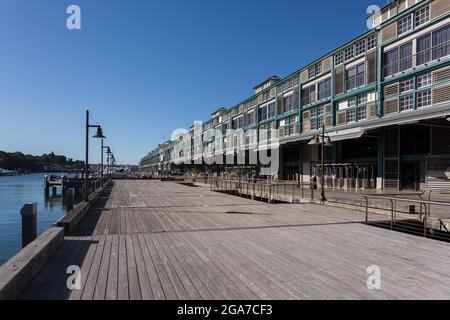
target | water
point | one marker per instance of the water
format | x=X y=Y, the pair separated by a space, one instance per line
x=14 y=193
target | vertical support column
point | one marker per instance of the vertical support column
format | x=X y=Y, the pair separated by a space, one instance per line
x=29 y=223
x=380 y=160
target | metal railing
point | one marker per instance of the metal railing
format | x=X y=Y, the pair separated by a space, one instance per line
x=428 y=221
x=270 y=190
x=418 y=59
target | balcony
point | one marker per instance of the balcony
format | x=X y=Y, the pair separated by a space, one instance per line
x=418 y=59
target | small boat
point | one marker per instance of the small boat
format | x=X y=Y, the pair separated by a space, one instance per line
x=8 y=173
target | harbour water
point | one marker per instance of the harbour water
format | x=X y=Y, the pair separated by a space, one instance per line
x=16 y=191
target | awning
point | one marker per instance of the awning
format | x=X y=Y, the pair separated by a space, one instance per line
x=355 y=133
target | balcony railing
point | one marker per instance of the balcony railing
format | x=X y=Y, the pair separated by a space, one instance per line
x=418 y=59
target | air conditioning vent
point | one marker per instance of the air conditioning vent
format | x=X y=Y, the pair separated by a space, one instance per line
x=441 y=75
x=341 y=118
x=391 y=89
x=390 y=106
x=441 y=95
x=370 y=111
x=306 y=125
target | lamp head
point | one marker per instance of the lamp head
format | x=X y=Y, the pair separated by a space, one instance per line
x=99 y=134
x=314 y=141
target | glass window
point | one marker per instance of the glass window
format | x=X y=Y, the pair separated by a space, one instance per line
x=271 y=110
x=362 y=113
x=309 y=94
x=339 y=58
x=314 y=124
x=404 y=25
x=391 y=62
x=311 y=72
x=352 y=102
x=318 y=69
x=320 y=111
x=362 y=98
x=424 y=98
x=356 y=76
x=351 y=115
x=324 y=89
x=423 y=49
x=424 y=80
x=263 y=113
x=406 y=102
x=422 y=16
x=319 y=122
x=405 y=54
x=406 y=85
x=289 y=103
x=441 y=42
x=371 y=41
x=349 y=53
x=361 y=47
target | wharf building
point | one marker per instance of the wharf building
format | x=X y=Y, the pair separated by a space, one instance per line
x=383 y=99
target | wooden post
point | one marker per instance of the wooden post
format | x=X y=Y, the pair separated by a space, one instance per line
x=70 y=194
x=63 y=189
x=29 y=223
x=54 y=191
x=46 y=187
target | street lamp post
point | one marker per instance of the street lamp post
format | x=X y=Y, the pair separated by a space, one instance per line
x=315 y=141
x=98 y=135
x=108 y=151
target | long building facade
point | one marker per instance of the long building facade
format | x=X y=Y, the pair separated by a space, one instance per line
x=383 y=99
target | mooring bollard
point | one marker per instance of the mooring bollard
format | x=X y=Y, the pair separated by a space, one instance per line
x=29 y=223
x=70 y=195
x=46 y=187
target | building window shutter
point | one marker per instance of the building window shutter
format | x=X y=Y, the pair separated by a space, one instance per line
x=371 y=64
x=339 y=80
x=391 y=106
x=389 y=32
x=439 y=7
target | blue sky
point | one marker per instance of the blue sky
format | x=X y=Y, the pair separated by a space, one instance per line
x=144 y=67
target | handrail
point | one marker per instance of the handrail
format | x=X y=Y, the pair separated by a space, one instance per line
x=418 y=59
x=447 y=204
x=393 y=201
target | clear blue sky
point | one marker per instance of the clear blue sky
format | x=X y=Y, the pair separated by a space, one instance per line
x=146 y=67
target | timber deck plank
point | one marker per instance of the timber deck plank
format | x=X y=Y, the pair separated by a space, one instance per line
x=162 y=240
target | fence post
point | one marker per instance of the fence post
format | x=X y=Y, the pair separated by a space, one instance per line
x=70 y=194
x=392 y=214
x=29 y=223
x=367 y=210
x=425 y=228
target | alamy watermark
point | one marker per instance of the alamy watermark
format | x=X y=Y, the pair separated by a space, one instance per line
x=374 y=280
x=230 y=147
x=73 y=21
x=74 y=280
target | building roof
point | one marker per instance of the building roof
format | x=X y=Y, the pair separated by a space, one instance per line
x=272 y=78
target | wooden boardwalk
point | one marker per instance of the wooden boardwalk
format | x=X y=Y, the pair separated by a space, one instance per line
x=162 y=240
